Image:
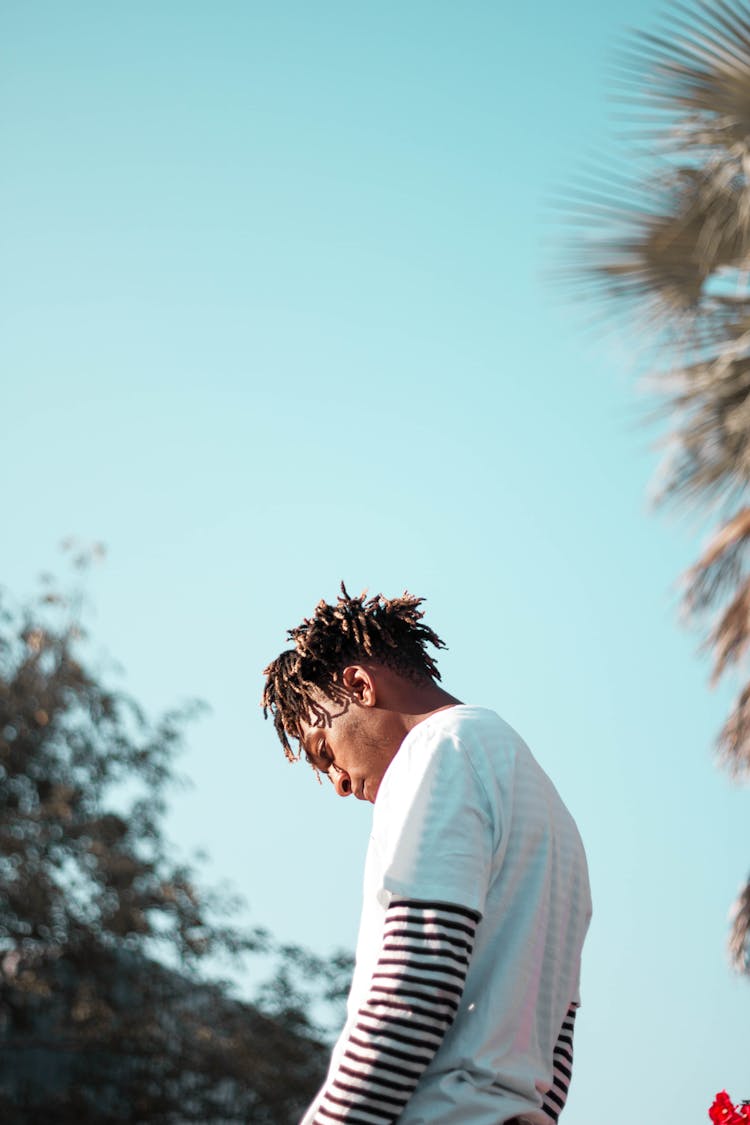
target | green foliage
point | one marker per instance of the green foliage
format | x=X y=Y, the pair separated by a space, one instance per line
x=307 y=992
x=73 y=869
x=93 y=1026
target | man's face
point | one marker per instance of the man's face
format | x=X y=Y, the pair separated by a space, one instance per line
x=356 y=747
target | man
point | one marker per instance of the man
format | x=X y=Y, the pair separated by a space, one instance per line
x=476 y=892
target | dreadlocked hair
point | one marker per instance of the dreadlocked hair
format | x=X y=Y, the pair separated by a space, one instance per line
x=386 y=630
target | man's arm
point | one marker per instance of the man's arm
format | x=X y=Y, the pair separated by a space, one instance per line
x=562 y=1067
x=412 y=1000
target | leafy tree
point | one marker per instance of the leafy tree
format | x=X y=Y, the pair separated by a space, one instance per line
x=672 y=239
x=94 y=1025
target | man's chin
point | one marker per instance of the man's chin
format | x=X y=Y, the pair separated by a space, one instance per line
x=370 y=791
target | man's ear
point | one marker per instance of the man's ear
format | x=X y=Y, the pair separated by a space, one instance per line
x=359 y=682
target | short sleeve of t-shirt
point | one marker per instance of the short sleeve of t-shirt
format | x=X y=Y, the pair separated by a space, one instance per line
x=434 y=827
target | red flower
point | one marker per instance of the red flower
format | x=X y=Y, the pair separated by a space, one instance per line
x=724 y=1112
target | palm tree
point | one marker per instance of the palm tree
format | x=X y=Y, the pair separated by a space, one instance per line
x=674 y=241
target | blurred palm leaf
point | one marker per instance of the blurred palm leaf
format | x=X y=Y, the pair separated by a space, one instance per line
x=672 y=239
x=709 y=414
x=722 y=566
x=738 y=944
x=693 y=223
x=700 y=67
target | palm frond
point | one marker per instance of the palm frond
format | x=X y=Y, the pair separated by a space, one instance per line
x=708 y=404
x=733 y=743
x=670 y=239
x=688 y=226
x=680 y=218
x=739 y=940
x=721 y=566
x=730 y=637
x=694 y=77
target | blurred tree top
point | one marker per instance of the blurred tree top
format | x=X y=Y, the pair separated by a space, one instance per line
x=94 y=1027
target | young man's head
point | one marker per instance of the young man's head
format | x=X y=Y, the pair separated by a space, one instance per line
x=357 y=680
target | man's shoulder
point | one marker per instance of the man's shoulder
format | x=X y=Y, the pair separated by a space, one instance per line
x=465 y=736
x=470 y=725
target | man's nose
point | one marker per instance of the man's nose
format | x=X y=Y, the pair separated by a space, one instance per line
x=342 y=783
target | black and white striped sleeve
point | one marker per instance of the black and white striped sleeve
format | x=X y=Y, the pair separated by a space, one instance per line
x=562 y=1067
x=412 y=1000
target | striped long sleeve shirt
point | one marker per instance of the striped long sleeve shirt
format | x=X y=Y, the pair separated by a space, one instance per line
x=413 y=998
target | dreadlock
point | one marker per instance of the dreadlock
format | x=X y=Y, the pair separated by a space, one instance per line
x=386 y=630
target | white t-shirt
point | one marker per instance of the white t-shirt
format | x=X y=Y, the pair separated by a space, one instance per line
x=466 y=815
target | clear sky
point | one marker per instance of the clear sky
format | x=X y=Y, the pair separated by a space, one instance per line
x=274 y=314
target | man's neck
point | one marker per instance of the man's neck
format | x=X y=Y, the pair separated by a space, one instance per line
x=426 y=702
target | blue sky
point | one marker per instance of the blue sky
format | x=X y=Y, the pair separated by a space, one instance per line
x=276 y=312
